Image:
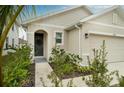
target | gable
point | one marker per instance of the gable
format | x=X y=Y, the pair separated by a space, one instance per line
x=66 y=18
x=109 y=18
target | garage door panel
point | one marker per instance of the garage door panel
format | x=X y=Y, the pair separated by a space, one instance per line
x=114 y=46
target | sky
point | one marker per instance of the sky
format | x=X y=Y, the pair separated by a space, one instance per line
x=44 y=9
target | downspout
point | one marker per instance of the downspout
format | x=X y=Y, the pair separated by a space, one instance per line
x=79 y=29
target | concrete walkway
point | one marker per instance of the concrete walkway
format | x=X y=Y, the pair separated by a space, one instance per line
x=41 y=72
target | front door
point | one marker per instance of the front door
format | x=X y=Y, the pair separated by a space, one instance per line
x=39 y=44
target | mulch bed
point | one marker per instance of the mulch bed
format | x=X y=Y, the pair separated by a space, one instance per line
x=72 y=75
x=30 y=82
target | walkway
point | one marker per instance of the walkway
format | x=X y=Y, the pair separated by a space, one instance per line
x=41 y=72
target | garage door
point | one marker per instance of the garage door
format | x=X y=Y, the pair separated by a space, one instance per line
x=114 y=46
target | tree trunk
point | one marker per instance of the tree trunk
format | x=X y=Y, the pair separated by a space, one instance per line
x=3 y=37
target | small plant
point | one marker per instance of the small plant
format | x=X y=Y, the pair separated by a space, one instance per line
x=100 y=76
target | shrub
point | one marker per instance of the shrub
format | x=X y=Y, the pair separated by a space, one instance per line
x=120 y=80
x=63 y=62
x=16 y=69
x=100 y=76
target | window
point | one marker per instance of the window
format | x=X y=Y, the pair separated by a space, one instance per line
x=7 y=43
x=12 y=43
x=59 y=37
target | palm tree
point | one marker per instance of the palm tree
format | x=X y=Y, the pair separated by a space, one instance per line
x=8 y=16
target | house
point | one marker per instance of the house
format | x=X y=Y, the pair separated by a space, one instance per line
x=78 y=31
x=44 y=32
x=13 y=38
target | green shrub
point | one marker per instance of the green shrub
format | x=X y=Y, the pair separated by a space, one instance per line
x=120 y=79
x=63 y=62
x=100 y=76
x=16 y=69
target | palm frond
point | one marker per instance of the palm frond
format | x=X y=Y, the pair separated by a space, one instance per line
x=7 y=12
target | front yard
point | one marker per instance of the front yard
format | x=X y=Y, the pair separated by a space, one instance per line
x=66 y=70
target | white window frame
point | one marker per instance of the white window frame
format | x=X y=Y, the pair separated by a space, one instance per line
x=62 y=43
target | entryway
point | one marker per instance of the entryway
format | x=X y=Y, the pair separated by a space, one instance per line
x=40 y=44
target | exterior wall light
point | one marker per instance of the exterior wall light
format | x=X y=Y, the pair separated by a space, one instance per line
x=86 y=35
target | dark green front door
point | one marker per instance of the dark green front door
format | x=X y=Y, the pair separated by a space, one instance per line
x=39 y=44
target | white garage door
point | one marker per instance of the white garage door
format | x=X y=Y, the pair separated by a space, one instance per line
x=114 y=46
